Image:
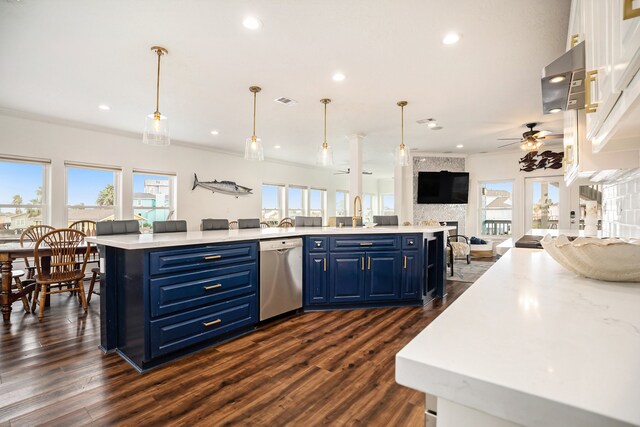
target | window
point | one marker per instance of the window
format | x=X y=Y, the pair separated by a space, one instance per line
x=92 y=193
x=496 y=208
x=296 y=201
x=368 y=207
x=153 y=198
x=388 y=207
x=272 y=203
x=318 y=203
x=22 y=195
x=342 y=203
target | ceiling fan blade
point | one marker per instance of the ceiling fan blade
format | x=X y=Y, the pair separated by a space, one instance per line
x=509 y=139
x=367 y=173
x=506 y=145
x=553 y=136
x=341 y=173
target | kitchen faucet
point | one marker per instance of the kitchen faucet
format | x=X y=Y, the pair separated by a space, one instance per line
x=356 y=202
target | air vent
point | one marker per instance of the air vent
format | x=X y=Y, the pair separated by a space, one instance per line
x=286 y=101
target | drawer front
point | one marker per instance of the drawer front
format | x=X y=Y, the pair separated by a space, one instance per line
x=351 y=243
x=317 y=244
x=201 y=257
x=411 y=241
x=177 y=292
x=182 y=330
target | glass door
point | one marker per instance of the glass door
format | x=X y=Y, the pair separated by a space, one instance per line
x=547 y=204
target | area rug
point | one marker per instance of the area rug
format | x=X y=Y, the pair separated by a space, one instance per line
x=463 y=272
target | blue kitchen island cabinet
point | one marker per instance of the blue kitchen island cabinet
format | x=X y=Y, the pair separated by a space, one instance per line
x=163 y=296
x=363 y=270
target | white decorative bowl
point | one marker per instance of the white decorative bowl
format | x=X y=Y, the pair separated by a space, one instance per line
x=613 y=260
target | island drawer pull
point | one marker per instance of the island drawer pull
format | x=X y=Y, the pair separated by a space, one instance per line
x=362 y=263
x=207 y=258
x=368 y=263
x=207 y=324
x=366 y=243
x=217 y=285
x=325 y=264
x=405 y=262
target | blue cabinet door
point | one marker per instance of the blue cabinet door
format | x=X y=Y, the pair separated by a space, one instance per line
x=411 y=275
x=383 y=276
x=347 y=274
x=317 y=278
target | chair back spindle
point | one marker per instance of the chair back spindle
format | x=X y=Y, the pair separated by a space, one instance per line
x=63 y=245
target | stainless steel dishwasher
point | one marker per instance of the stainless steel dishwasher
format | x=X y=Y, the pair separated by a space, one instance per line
x=280 y=276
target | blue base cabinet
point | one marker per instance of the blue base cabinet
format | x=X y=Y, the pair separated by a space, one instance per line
x=376 y=270
x=174 y=301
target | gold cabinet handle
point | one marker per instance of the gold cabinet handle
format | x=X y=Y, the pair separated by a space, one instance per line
x=366 y=243
x=590 y=77
x=207 y=324
x=207 y=258
x=325 y=264
x=368 y=263
x=405 y=263
x=568 y=154
x=628 y=11
x=217 y=285
x=362 y=263
x=574 y=39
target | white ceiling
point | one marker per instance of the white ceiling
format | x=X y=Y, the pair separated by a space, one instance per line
x=63 y=58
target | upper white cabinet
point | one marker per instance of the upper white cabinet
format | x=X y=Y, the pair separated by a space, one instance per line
x=611 y=31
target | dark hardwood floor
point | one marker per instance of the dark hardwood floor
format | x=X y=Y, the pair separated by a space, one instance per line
x=334 y=368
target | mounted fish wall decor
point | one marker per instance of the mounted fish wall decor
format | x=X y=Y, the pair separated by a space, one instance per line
x=223 y=187
x=546 y=160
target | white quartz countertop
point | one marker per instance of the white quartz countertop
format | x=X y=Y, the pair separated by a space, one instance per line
x=535 y=344
x=147 y=241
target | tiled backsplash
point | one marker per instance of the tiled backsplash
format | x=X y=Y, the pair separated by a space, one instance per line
x=621 y=208
x=449 y=212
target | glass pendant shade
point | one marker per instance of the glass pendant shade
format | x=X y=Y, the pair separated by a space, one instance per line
x=325 y=156
x=156 y=130
x=402 y=155
x=253 y=149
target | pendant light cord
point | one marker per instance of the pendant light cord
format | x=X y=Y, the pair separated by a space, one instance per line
x=402 y=124
x=254 y=114
x=325 y=125
x=158 y=84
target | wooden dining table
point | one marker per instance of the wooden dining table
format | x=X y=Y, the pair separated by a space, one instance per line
x=14 y=250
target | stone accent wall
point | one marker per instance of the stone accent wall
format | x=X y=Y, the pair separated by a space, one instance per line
x=453 y=212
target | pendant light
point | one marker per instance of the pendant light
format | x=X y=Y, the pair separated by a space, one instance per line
x=156 y=129
x=253 y=146
x=402 y=152
x=325 y=154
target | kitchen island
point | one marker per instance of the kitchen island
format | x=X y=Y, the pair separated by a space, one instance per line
x=169 y=294
x=530 y=343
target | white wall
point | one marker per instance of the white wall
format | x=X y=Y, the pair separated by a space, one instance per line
x=22 y=136
x=501 y=166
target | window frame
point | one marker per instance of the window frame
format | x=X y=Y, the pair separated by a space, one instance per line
x=305 y=200
x=172 y=196
x=346 y=202
x=323 y=202
x=117 y=187
x=282 y=200
x=481 y=208
x=381 y=209
x=44 y=205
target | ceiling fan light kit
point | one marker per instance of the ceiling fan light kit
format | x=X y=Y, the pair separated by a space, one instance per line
x=532 y=140
x=325 y=153
x=402 y=151
x=253 y=149
x=156 y=129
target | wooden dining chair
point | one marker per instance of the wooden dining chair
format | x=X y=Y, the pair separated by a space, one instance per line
x=33 y=234
x=24 y=288
x=285 y=223
x=63 y=245
x=86 y=226
x=264 y=225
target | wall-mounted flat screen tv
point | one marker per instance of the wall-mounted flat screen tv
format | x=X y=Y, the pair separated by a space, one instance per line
x=443 y=187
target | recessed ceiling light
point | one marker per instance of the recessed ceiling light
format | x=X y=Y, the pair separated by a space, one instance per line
x=277 y=147
x=214 y=132
x=459 y=146
x=104 y=107
x=555 y=110
x=338 y=77
x=432 y=124
x=252 y=23
x=557 y=79
x=451 y=38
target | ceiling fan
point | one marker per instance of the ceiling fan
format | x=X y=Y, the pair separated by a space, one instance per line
x=348 y=171
x=532 y=139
